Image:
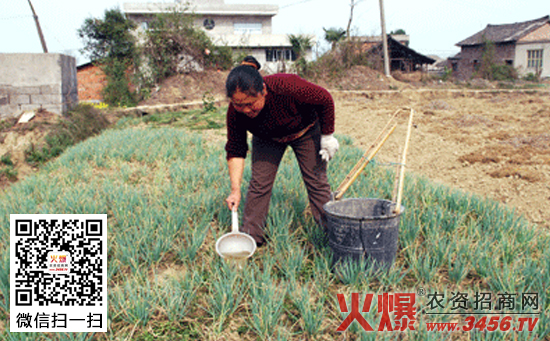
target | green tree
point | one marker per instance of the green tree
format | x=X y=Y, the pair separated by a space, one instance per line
x=334 y=35
x=108 y=38
x=110 y=44
x=174 y=43
x=300 y=44
x=398 y=31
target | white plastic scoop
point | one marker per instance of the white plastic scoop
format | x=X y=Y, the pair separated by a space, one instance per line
x=236 y=247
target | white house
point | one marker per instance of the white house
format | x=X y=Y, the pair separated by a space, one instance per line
x=245 y=27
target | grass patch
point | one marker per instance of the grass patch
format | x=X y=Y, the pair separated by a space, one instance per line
x=7 y=123
x=161 y=186
x=7 y=169
x=199 y=119
x=79 y=124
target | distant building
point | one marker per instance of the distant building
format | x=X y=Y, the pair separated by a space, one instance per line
x=402 y=58
x=368 y=42
x=438 y=67
x=523 y=45
x=246 y=27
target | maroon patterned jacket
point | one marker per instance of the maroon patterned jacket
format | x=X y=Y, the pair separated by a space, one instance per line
x=291 y=105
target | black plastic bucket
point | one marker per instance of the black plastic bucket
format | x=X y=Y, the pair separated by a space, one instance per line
x=363 y=228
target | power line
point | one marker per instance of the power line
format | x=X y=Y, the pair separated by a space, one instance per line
x=16 y=17
x=295 y=3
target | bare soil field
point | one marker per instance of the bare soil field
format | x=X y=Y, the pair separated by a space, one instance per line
x=492 y=143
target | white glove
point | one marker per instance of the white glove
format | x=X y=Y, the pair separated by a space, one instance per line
x=329 y=146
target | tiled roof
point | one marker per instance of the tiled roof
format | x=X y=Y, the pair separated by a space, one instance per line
x=401 y=51
x=504 y=33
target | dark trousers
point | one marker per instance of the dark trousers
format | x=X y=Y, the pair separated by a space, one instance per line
x=266 y=157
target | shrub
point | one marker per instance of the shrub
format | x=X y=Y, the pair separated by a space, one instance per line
x=532 y=77
x=173 y=44
x=6 y=160
x=117 y=90
x=503 y=72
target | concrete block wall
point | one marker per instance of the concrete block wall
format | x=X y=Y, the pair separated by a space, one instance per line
x=30 y=81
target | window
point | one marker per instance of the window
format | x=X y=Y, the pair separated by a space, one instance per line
x=275 y=55
x=454 y=66
x=534 y=59
x=250 y=28
x=209 y=24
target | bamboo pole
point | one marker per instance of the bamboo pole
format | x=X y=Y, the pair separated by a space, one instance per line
x=403 y=163
x=367 y=152
x=396 y=178
x=360 y=166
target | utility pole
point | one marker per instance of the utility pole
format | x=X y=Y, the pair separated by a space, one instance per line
x=38 y=28
x=384 y=41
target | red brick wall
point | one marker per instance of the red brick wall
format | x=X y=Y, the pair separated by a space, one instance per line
x=470 y=55
x=91 y=81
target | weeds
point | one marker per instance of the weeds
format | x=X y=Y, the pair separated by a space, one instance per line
x=6 y=160
x=84 y=121
x=9 y=172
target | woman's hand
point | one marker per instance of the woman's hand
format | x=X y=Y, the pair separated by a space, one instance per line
x=233 y=200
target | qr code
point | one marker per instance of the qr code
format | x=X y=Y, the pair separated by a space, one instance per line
x=58 y=266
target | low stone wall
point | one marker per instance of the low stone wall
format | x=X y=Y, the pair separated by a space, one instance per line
x=30 y=81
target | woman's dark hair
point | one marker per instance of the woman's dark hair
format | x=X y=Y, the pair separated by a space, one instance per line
x=245 y=78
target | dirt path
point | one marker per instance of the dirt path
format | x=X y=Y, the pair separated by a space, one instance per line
x=495 y=144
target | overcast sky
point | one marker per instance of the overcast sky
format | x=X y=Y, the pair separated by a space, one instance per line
x=434 y=26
